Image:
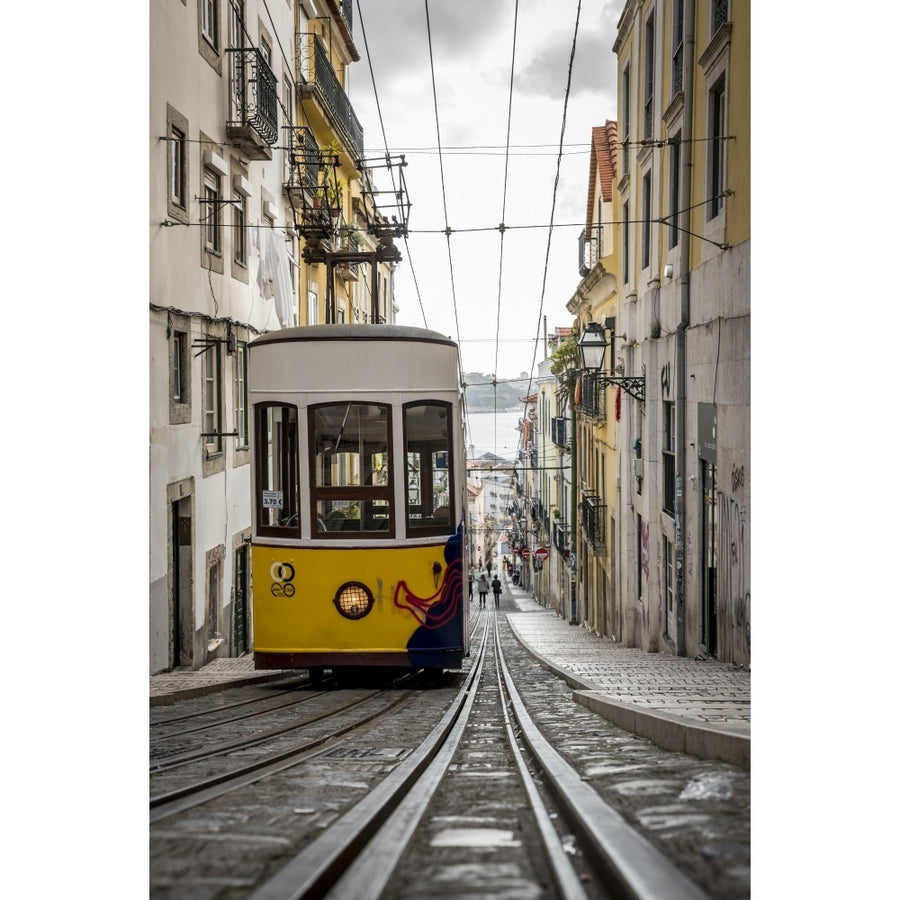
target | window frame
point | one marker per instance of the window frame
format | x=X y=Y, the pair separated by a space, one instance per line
x=288 y=454
x=212 y=196
x=351 y=493
x=668 y=456
x=209 y=22
x=674 y=191
x=241 y=396
x=646 y=210
x=716 y=153
x=427 y=450
x=212 y=401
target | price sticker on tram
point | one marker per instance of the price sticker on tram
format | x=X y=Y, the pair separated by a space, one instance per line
x=273 y=499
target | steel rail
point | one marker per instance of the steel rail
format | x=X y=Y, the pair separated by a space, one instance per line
x=629 y=863
x=318 y=867
x=564 y=875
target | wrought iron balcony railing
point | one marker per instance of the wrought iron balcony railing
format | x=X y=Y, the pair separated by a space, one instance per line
x=303 y=163
x=593 y=521
x=593 y=398
x=320 y=81
x=590 y=249
x=561 y=536
x=252 y=123
x=559 y=432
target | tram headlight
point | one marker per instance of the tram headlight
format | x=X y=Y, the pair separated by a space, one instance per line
x=354 y=600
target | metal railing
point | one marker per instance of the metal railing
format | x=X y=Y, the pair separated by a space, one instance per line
x=590 y=249
x=593 y=397
x=559 y=432
x=253 y=97
x=593 y=521
x=303 y=161
x=317 y=73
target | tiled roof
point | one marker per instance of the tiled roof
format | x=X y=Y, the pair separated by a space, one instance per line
x=603 y=162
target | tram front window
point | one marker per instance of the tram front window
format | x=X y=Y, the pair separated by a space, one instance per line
x=429 y=468
x=350 y=473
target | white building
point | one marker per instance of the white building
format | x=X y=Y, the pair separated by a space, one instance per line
x=222 y=270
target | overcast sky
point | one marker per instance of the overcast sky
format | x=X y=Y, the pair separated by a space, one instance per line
x=472 y=51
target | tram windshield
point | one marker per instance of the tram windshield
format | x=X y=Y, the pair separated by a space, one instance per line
x=350 y=472
x=429 y=472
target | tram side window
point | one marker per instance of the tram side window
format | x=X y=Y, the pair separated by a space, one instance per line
x=429 y=468
x=351 y=484
x=277 y=469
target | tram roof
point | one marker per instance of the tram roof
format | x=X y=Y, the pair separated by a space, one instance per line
x=354 y=332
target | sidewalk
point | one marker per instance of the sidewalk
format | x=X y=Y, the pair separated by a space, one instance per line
x=691 y=706
x=696 y=707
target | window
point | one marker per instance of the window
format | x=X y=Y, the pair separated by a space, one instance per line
x=647 y=185
x=716 y=147
x=677 y=46
x=674 y=189
x=312 y=304
x=649 y=65
x=429 y=468
x=241 y=423
x=239 y=232
x=177 y=165
x=212 y=232
x=626 y=117
x=179 y=367
x=212 y=399
x=177 y=182
x=209 y=22
x=350 y=472
x=626 y=245
x=668 y=454
x=277 y=469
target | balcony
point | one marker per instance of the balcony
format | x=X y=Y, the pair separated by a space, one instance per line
x=593 y=521
x=593 y=398
x=252 y=124
x=561 y=537
x=559 y=432
x=590 y=249
x=318 y=81
x=302 y=164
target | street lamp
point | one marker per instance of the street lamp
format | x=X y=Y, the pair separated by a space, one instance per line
x=592 y=346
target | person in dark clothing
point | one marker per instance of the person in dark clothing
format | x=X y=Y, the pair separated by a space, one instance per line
x=497 y=588
x=471 y=584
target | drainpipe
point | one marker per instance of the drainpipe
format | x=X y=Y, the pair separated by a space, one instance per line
x=573 y=522
x=687 y=131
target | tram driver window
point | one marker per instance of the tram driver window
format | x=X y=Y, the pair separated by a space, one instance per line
x=350 y=473
x=429 y=468
x=277 y=467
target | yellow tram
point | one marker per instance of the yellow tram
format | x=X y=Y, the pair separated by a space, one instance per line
x=358 y=454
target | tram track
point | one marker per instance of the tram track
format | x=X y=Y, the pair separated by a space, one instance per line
x=358 y=855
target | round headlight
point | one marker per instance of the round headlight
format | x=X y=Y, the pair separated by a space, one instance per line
x=354 y=600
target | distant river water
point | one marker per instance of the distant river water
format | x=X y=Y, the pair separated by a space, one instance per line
x=489 y=432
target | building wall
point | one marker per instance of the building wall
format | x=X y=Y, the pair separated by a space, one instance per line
x=706 y=292
x=207 y=299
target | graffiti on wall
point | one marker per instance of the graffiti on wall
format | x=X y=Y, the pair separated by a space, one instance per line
x=734 y=578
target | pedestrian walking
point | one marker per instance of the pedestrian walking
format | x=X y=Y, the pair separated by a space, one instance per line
x=471 y=584
x=482 y=590
x=490 y=566
x=497 y=588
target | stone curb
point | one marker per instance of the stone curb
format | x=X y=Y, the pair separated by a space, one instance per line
x=671 y=732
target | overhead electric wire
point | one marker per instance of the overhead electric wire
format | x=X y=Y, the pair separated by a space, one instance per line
x=387 y=153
